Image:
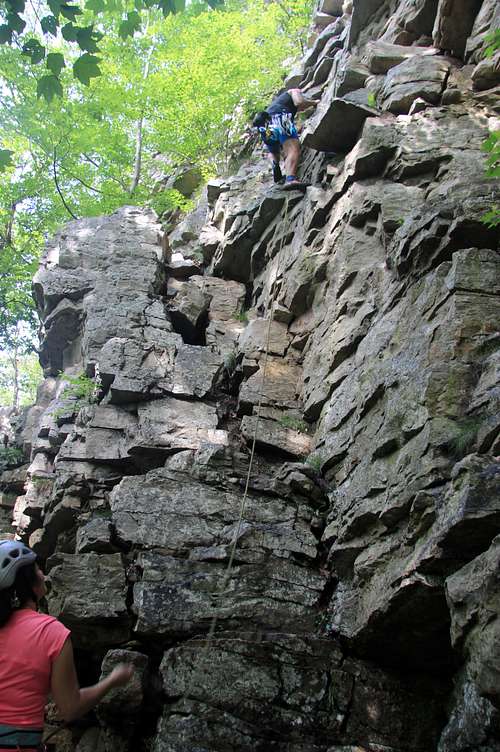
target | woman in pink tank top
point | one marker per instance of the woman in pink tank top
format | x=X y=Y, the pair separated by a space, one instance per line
x=36 y=656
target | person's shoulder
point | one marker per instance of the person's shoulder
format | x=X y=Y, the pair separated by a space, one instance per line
x=44 y=621
x=48 y=619
x=52 y=633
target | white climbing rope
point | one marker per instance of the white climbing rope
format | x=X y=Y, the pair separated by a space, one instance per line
x=229 y=567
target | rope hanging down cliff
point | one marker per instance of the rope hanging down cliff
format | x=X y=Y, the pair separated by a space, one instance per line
x=227 y=574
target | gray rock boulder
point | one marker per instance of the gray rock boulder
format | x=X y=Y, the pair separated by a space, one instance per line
x=278 y=386
x=416 y=78
x=170 y=425
x=381 y=56
x=226 y=297
x=179 y=598
x=411 y=20
x=252 y=687
x=102 y=740
x=454 y=23
x=473 y=594
x=182 y=267
x=488 y=18
x=333 y=7
x=87 y=591
x=362 y=11
x=254 y=339
x=473 y=722
x=121 y=707
x=486 y=74
x=207 y=517
x=95 y=535
x=278 y=436
x=188 y=311
x=336 y=125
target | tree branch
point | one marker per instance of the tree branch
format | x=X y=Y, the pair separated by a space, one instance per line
x=58 y=189
x=90 y=187
x=110 y=177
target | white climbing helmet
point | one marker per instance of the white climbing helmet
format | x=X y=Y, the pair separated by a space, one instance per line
x=13 y=556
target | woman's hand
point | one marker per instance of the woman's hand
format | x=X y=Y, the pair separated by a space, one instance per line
x=72 y=701
x=121 y=674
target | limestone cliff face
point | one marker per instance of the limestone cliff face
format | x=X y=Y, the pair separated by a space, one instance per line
x=362 y=610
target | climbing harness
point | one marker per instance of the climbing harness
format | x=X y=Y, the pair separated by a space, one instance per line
x=227 y=573
x=15 y=738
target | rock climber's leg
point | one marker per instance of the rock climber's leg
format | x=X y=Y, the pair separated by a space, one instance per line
x=291 y=150
x=274 y=150
x=277 y=174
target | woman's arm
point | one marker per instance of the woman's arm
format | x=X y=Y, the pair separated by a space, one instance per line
x=72 y=701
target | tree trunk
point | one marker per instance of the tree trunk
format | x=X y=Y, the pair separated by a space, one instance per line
x=16 y=387
x=138 y=157
x=138 y=136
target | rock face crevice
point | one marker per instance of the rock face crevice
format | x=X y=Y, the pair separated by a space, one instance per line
x=353 y=331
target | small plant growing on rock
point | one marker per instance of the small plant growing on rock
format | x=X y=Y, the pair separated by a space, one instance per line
x=296 y=424
x=315 y=461
x=466 y=431
x=493 y=39
x=492 y=144
x=242 y=316
x=10 y=455
x=492 y=147
x=40 y=482
x=78 y=391
x=372 y=100
x=230 y=361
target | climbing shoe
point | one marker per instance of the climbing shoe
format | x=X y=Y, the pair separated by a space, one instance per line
x=291 y=183
x=277 y=174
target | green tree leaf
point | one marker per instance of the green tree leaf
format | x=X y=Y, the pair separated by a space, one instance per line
x=55 y=7
x=5 y=159
x=70 y=11
x=86 y=67
x=97 y=6
x=34 y=50
x=132 y=24
x=15 y=6
x=49 y=25
x=69 y=32
x=55 y=63
x=15 y=22
x=166 y=6
x=87 y=38
x=5 y=34
x=49 y=87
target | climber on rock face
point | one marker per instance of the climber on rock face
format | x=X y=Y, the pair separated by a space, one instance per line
x=277 y=130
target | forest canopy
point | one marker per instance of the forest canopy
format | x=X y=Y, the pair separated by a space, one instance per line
x=172 y=90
